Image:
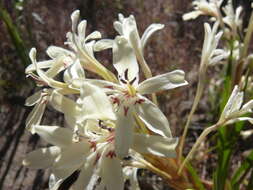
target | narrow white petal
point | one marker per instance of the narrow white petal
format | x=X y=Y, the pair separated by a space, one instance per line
x=156 y=145
x=82 y=28
x=247 y=107
x=54 y=135
x=192 y=15
x=153 y=117
x=165 y=81
x=111 y=174
x=106 y=86
x=85 y=174
x=103 y=44
x=148 y=32
x=95 y=103
x=118 y=27
x=240 y=119
x=75 y=18
x=94 y=35
x=73 y=155
x=74 y=71
x=124 y=131
x=35 y=116
x=41 y=158
x=40 y=64
x=63 y=104
x=33 y=99
x=124 y=59
x=56 y=52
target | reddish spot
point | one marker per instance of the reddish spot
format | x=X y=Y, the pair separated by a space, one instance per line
x=111 y=154
x=65 y=65
x=115 y=100
x=140 y=101
x=97 y=158
x=93 y=145
x=45 y=101
x=125 y=110
x=110 y=87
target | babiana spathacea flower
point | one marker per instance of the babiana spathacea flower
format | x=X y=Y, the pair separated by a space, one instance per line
x=110 y=122
x=128 y=96
x=90 y=146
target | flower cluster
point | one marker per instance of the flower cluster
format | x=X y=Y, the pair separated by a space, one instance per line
x=111 y=121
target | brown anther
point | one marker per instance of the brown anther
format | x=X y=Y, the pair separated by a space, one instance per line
x=126 y=74
x=132 y=81
x=123 y=81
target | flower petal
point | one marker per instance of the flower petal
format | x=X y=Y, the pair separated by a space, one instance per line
x=165 y=81
x=112 y=167
x=156 y=145
x=124 y=59
x=73 y=155
x=55 y=135
x=240 y=119
x=33 y=99
x=153 y=117
x=124 y=131
x=74 y=71
x=85 y=174
x=56 y=52
x=95 y=103
x=35 y=116
x=103 y=44
x=148 y=32
x=63 y=104
x=41 y=158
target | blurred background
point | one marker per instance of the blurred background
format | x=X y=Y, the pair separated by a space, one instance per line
x=41 y=23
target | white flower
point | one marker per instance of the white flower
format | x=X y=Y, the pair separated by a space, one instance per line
x=234 y=109
x=128 y=98
x=127 y=28
x=40 y=100
x=210 y=54
x=232 y=19
x=83 y=46
x=204 y=7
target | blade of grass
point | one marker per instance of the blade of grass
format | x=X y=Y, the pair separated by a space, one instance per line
x=241 y=172
x=15 y=36
x=195 y=177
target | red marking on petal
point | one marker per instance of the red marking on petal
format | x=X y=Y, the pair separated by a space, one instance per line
x=115 y=100
x=110 y=87
x=140 y=101
x=125 y=110
x=97 y=158
x=93 y=145
x=111 y=154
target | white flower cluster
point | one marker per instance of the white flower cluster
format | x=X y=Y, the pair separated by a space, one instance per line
x=110 y=121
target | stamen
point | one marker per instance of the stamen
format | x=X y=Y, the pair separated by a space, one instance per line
x=126 y=74
x=123 y=81
x=132 y=81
